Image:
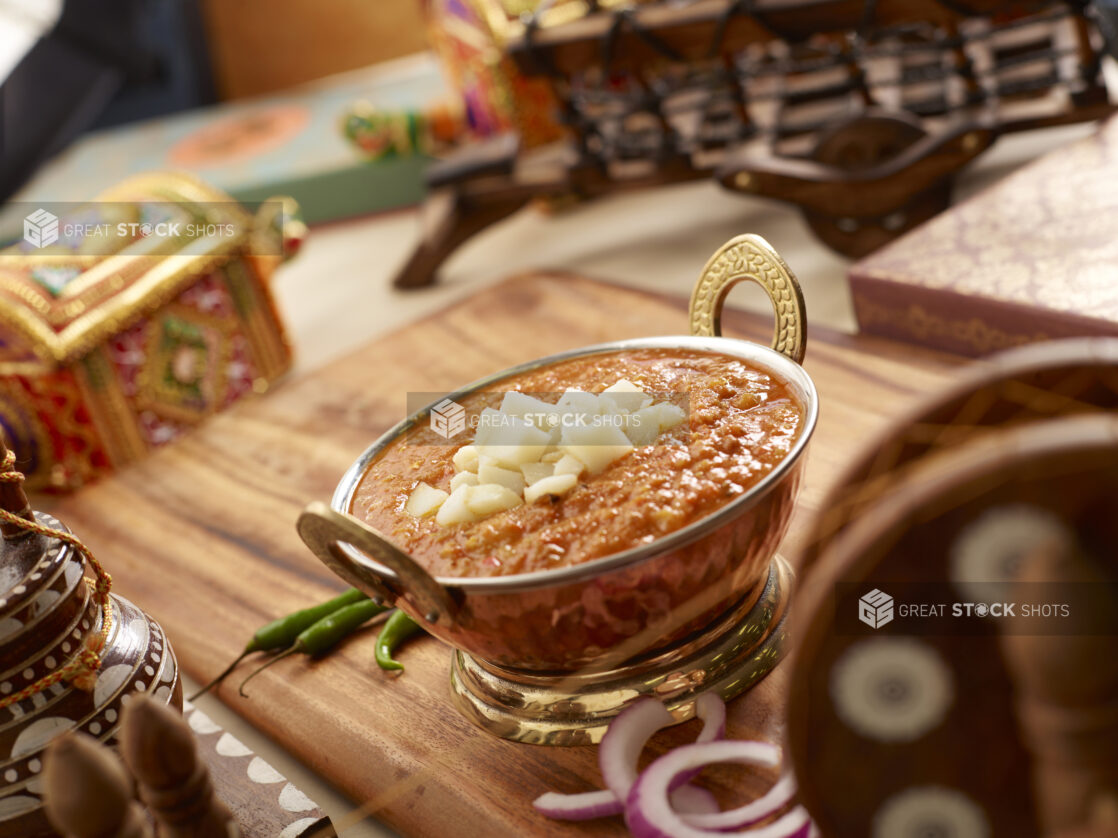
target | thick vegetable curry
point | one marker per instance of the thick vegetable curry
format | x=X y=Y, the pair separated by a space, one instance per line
x=741 y=423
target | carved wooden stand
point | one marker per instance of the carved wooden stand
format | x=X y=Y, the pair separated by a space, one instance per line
x=857 y=112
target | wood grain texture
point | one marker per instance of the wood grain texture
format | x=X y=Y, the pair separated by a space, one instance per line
x=202 y=535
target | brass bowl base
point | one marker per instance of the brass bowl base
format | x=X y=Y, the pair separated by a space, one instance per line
x=736 y=652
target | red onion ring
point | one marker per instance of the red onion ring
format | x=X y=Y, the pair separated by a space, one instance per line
x=711 y=710
x=578 y=807
x=689 y=799
x=648 y=810
x=627 y=735
x=694 y=800
x=625 y=739
x=775 y=799
x=618 y=755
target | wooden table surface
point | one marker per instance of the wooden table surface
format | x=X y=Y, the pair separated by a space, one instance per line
x=202 y=536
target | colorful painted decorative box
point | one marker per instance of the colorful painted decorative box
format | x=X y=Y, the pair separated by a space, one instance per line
x=126 y=321
x=469 y=37
x=1032 y=258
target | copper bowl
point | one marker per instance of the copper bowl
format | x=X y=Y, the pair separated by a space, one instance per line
x=629 y=605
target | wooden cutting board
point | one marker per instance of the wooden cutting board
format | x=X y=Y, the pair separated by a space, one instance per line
x=202 y=535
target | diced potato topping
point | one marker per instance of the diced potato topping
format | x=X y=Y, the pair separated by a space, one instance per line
x=489 y=498
x=531 y=449
x=463 y=478
x=424 y=500
x=576 y=401
x=557 y=484
x=465 y=458
x=510 y=440
x=454 y=509
x=528 y=408
x=626 y=395
x=569 y=464
x=595 y=445
x=643 y=425
x=536 y=471
x=668 y=415
x=489 y=471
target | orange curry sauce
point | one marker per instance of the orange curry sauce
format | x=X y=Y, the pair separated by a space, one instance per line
x=742 y=423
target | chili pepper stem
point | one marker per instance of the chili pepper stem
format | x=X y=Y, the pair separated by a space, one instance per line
x=224 y=674
x=282 y=632
x=241 y=689
x=328 y=632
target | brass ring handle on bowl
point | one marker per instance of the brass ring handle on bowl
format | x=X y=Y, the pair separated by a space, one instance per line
x=751 y=257
x=323 y=529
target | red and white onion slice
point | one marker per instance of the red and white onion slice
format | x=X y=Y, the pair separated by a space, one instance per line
x=579 y=807
x=649 y=812
x=694 y=800
x=628 y=734
x=660 y=802
x=625 y=739
x=618 y=756
x=775 y=799
x=688 y=799
x=711 y=709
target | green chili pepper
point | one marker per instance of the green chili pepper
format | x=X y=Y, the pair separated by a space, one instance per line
x=398 y=629
x=325 y=634
x=281 y=633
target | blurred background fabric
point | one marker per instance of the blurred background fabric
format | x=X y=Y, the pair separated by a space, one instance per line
x=69 y=66
x=82 y=64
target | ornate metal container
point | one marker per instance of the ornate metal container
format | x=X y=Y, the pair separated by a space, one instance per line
x=49 y=617
x=551 y=656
